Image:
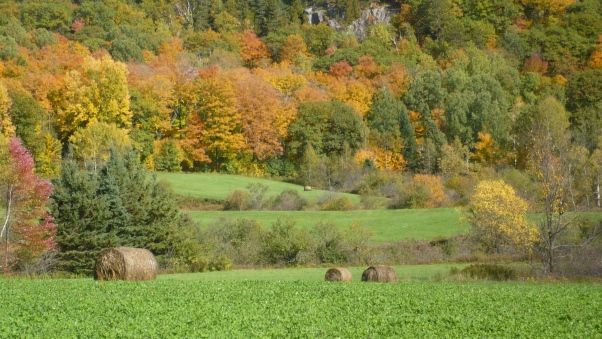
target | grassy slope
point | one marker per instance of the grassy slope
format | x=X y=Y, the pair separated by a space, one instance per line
x=214 y=186
x=404 y=273
x=386 y=225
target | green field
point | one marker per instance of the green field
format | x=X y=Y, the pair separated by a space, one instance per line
x=212 y=186
x=277 y=309
x=386 y=225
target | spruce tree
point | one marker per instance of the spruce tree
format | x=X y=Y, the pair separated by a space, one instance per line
x=120 y=205
x=83 y=217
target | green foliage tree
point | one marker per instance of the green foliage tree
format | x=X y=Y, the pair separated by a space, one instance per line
x=327 y=127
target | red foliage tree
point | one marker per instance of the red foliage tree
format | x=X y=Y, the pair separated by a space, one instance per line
x=536 y=64
x=341 y=69
x=28 y=230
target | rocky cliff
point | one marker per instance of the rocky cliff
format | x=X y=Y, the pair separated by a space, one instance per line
x=369 y=16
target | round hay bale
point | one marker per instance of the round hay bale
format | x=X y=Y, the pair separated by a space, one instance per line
x=125 y=263
x=307 y=188
x=337 y=274
x=379 y=274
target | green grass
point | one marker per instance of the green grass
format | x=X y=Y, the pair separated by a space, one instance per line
x=212 y=186
x=303 y=309
x=404 y=273
x=386 y=225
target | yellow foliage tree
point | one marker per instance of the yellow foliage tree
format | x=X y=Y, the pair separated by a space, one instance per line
x=6 y=126
x=499 y=217
x=97 y=94
x=293 y=47
x=216 y=124
x=595 y=59
x=433 y=186
x=548 y=7
x=92 y=145
x=486 y=151
x=48 y=156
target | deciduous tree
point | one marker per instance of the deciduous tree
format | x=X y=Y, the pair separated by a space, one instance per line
x=27 y=229
x=499 y=217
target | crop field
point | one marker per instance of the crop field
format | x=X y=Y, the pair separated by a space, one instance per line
x=386 y=225
x=254 y=308
x=212 y=186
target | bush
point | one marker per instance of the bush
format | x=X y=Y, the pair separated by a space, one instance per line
x=328 y=244
x=489 y=271
x=238 y=201
x=284 y=244
x=288 y=200
x=257 y=193
x=237 y=240
x=423 y=191
x=333 y=202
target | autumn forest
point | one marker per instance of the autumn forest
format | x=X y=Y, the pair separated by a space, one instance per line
x=415 y=101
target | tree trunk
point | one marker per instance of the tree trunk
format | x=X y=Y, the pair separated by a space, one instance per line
x=598 y=191
x=5 y=226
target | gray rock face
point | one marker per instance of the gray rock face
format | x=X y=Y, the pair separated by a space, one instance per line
x=359 y=27
x=315 y=16
x=369 y=17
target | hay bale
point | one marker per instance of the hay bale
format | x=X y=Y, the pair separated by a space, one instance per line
x=379 y=274
x=307 y=188
x=125 y=263
x=338 y=274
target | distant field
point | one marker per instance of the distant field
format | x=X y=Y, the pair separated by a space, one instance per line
x=83 y=308
x=404 y=273
x=386 y=225
x=214 y=186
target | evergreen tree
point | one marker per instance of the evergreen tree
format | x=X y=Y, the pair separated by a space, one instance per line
x=83 y=218
x=168 y=158
x=119 y=206
x=296 y=12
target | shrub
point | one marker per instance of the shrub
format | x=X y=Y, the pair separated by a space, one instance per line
x=237 y=240
x=423 y=191
x=284 y=243
x=328 y=243
x=333 y=202
x=238 y=201
x=257 y=193
x=288 y=200
x=488 y=271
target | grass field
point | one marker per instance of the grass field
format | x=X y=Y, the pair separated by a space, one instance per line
x=386 y=225
x=212 y=186
x=301 y=309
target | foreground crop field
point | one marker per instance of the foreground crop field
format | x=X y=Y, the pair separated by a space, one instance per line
x=193 y=308
x=214 y=186
x=386 y=225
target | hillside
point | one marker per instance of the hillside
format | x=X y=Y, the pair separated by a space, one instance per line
x=213 y=186
x=386 y=225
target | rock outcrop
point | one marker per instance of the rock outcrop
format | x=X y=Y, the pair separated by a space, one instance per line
x=374 y=14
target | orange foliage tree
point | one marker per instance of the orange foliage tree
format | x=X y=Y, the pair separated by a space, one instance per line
x=252 y=49
x=265 y=118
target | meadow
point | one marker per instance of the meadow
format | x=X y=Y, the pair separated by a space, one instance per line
x=235 y=308
x=386 y=225
x=217 y=187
